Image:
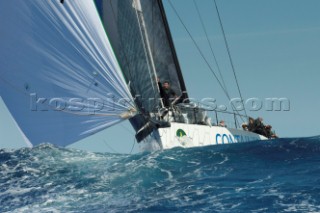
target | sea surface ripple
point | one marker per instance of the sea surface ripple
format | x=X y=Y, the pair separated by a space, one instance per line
x=281 y=175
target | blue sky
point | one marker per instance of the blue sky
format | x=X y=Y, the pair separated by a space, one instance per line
x=275 y=48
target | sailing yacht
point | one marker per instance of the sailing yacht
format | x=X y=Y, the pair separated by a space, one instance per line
x=70 y=69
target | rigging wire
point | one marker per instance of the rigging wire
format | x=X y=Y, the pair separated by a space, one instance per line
x=204 y=58
x=114 y=150
x=198 y=48
x=229 y=54
x=210 y=45
x=110 y=147
x=127 y=129
x=134 y=143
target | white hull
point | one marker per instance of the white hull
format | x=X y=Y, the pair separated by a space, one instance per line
x=190 y=135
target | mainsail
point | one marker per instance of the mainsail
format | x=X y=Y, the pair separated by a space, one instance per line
x=140 y=37
x=59 y=76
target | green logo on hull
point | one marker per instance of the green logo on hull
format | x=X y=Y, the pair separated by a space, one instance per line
x=181 y=133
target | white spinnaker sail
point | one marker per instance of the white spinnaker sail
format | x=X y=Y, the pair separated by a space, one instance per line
x=58 y=73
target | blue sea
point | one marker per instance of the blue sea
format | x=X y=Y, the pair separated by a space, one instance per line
x=281 y=175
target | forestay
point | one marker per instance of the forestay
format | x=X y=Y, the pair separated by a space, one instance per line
x=58 y=73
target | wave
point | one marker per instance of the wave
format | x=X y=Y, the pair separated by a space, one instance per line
x=265 y=176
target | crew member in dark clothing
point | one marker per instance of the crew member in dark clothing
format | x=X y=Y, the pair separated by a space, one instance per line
x=251 y=124
x=259 y=127
x=269 y=133
x=166 y=93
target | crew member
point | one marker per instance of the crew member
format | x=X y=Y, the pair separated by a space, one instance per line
x=251 y=124
x=222 y=124
x=269 y=133
x=167 y=94
x=259 y=127
x=245 y=127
